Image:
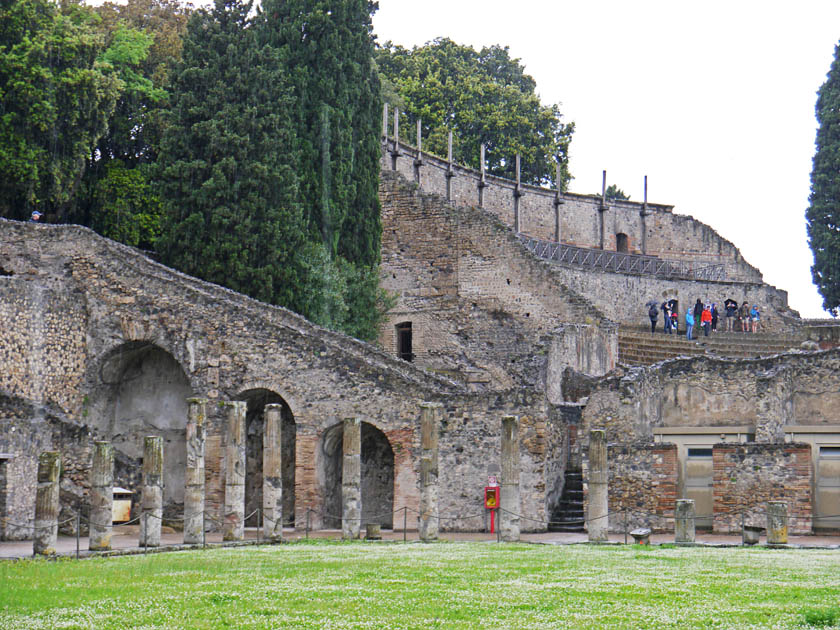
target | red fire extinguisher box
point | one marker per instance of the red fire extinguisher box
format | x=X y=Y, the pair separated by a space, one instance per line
x=491 y=497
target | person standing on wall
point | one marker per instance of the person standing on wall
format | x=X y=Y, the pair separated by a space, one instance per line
x=714 y=317
x=666 y=311
x=698 y=312
x=744 y=316
x=731 y=307
x=706 y=319
x=689 y=323
x=755 y=318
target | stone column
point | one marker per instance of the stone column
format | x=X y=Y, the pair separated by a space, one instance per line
x=558 y=203
x=597 y=508
x=482 y=182
x=509 y=501
x=101 y=497
x=46 y=504
x=151 y=501
x=351 y=479
x=777 y=525
x=450 y=172
x=273 y=473
x=429 y=507
x=194 y=478
x=684 y=531
x=602 y=208
x=234 y=524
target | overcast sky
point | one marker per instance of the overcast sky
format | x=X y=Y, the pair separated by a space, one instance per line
x=714 y=102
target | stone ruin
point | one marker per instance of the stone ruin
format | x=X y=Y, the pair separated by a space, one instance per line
x=501 y=312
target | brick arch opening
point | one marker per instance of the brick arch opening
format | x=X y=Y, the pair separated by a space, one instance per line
x=622 y=243
x=142 y=390
x=377 y=476
x=257 y=399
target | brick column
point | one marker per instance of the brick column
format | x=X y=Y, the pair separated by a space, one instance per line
x=46 y=504
x=597 y=511
x=234 y=525
x=273 y=473
x=194 y=477
x=351 y=479
x=152 y=497
x=429 y=507
x=101 y=496
x=509 y=501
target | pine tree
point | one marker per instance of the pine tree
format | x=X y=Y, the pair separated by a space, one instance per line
x=823 y=215
x=227 y=164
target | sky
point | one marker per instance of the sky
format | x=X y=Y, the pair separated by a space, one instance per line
x=714 y=102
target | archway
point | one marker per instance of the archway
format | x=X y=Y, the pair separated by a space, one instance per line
x=622 y=243
x=377 y=476
x=142 y=391
x=256 y=400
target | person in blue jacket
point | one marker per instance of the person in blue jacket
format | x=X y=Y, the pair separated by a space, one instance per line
x=689 y=322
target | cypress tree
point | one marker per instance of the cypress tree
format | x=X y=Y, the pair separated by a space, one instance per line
x=226 y=168
x=329 y=48
x=823 y=215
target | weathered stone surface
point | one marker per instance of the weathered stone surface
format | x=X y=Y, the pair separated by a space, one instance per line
x=429 y=506
x=510 y=499
x=152 y=499
x=777 y=523
x=351 y=479
x=234 y=523
x=684 y=523
x=101 y=496
x=46 y=504
x=597 y=518
x=273 y=473
x=194 y=478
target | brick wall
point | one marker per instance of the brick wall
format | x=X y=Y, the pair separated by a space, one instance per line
x=746 y=476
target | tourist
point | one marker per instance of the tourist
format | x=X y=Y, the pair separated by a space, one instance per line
x=706 y=319
x=675 y=321
x=666 y=311
x=698 y=312
x=35 y=217
x=689 y=323
x=653 y=313
x=744 y=316
x=755 y=318
x=731 y=307
x=714 y=317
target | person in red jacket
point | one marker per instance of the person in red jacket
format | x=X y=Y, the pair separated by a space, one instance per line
x=706 y=319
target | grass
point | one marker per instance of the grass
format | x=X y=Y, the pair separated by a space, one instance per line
x=446 y=585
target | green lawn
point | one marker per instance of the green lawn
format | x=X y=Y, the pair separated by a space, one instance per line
x=445 y=585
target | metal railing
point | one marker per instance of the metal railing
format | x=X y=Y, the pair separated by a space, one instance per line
x=623 y=263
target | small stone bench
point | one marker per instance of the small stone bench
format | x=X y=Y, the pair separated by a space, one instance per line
x=751 y=534
x=641 y=535
x=373 y=531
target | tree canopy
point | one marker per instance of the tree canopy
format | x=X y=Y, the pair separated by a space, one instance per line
x=823 y=214
x=483 y=97
x=59 y=85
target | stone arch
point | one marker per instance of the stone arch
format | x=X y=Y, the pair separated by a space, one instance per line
x=141 y=390
x=377 y=476
x=257 y=399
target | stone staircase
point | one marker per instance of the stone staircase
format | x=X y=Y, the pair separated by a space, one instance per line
x=568 y=515
x=638 y=346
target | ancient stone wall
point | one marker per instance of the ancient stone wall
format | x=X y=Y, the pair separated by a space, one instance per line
x=766 y=394
x=669 y=236
x=135 y=320
x=746 y=476
x=481 y=308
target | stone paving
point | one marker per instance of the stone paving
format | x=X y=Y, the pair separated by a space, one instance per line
x=125 y=540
